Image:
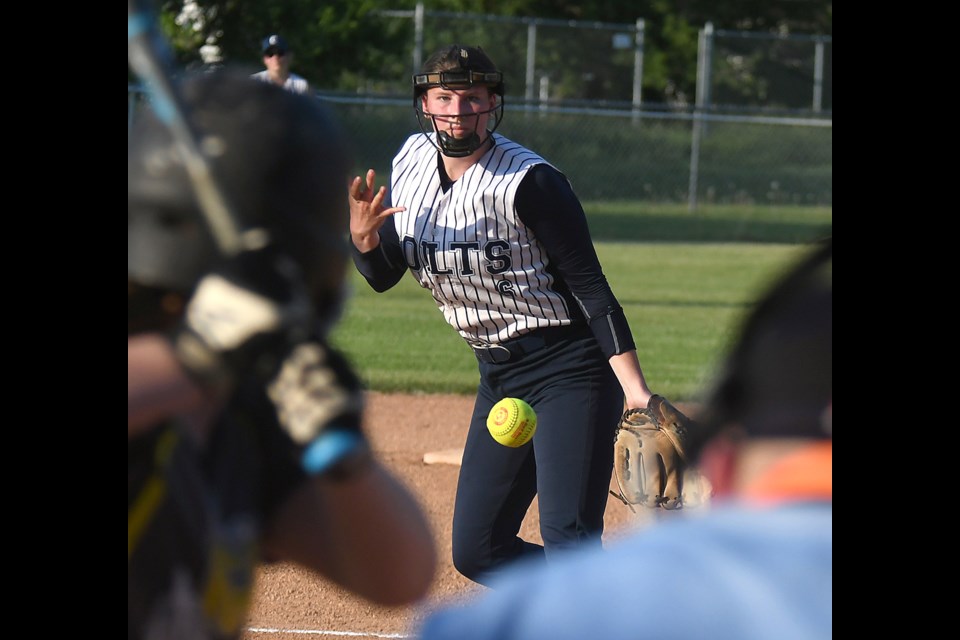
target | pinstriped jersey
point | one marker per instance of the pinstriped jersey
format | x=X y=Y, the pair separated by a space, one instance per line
x=483 y=265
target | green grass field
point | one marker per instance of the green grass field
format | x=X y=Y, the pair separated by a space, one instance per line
x=683 y=299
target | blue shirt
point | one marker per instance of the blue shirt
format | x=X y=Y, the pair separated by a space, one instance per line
x=731 y=572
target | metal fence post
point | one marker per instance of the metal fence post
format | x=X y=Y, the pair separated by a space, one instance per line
x=418 y=37
x=818 y=77
x=531 y=62
x=703 y=83
x=705 y=73
x=638 y=69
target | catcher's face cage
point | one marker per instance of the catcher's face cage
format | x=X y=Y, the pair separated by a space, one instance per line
x=452 y=79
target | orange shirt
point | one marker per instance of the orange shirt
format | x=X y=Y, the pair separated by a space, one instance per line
x=805 y=474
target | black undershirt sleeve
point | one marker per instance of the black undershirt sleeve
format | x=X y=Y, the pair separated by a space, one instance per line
x=546 y=203
x=383 y=266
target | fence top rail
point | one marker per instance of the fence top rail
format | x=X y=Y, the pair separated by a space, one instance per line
x=663 y=112
x=757 y=35
x=625 y=110
x=594 y=111
x=550 y=22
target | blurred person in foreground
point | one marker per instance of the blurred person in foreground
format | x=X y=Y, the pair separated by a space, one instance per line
x=277 y=58
x=244 y=439
x=758 y=563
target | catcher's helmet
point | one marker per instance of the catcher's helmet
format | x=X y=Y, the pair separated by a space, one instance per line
x=282 y=162
x=457 y=65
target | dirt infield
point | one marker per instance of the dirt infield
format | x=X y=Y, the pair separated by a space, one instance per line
x=289 y=602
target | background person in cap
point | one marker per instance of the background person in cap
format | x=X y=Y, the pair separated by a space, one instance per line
x=277 y=58
x=758 y=563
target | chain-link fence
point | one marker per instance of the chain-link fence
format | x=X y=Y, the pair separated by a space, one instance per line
x=634 y=155
x=745 y=71
x=600 y=64
x=624 y=155
x=542 y=60
x=759 y=132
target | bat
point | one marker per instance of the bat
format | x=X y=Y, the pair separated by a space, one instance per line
x=152 y=60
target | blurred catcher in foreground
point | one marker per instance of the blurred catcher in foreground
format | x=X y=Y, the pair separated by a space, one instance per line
x=243 y=425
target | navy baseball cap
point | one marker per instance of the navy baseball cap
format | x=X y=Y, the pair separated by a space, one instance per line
x=275 y=42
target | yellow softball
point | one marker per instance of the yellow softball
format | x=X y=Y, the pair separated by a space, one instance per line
x=512 y=422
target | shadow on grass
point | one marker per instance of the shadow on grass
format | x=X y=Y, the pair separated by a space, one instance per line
x=641 y=228
x=693 y=304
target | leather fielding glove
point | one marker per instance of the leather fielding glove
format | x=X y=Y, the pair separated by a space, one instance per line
x=243 y=317
x=319 y=402
x=650 y=462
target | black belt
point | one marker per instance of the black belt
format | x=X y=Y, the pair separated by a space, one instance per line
x=526 y=344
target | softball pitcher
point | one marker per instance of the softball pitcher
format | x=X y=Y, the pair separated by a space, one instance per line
x=497 y=235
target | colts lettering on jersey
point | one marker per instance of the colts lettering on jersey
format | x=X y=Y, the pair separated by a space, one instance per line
x=493 y=257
